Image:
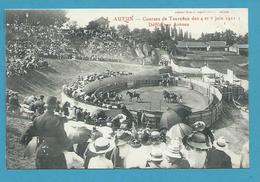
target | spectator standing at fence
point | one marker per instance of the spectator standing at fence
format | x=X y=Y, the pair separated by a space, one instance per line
x=129 y=117
x=117 y=121
x=7 y=96
x=14 y=104
x=145 y=122
x=139 y=116
x=65 y=108
x=88 y=118
x=79 y=114
x=58 y=107
x=40 y=105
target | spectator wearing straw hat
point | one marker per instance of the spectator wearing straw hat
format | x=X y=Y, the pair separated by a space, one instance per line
x=201 y=127
x=197 y=145
x=156 y=140
x=84 y=147
x=100 y=147
x=174 y=156
x=122 y=148
x=217 y=157
x=155 y=159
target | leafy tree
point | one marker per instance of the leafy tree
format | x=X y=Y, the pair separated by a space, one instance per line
x=180 y=35
x=186 y=36
x=174 y=32
x=242 y=39
x=230 y=37
x=123 y=30
x=113 y=29
x=190 y=37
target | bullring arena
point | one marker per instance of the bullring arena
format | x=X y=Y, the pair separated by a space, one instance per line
x=198 y=95
x=106 y=97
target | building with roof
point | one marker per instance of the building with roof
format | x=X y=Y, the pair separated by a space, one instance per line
x=192 y=46
x=103 y=22
x=203 y=46
x=217 y=46
x=239 y=49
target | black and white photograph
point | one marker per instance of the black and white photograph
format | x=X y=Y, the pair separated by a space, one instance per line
x=126 y=88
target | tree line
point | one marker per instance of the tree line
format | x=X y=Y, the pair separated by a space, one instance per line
x=229 y=36
x=164 y=36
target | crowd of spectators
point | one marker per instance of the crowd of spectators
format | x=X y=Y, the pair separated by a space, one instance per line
x=27 y=45
x=109 y=98
x=193 y=147
x=104 y=44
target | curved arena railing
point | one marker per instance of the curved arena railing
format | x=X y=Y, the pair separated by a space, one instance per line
x=209 y=115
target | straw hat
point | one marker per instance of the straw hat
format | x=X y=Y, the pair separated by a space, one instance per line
x=155 y=155
x=101 y=145
x=173 y=150
x=155 y=134
x=198 y=140
x=220 y=144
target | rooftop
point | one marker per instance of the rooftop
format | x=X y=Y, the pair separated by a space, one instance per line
x=102 y=20
x=217 y=43
x=183 y=44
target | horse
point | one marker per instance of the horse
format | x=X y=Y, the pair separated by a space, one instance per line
x=171 y=97
x=133 y=95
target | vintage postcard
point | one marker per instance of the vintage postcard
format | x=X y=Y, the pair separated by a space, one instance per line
x=127 y=88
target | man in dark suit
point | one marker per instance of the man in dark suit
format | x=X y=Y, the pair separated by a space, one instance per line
x=52 y=138
x=217 y=157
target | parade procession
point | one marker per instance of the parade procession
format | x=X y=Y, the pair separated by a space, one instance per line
x=100 y=97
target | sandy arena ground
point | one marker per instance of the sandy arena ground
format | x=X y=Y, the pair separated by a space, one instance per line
x=152 y=98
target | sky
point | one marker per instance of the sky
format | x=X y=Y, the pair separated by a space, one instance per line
x=194 y=20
